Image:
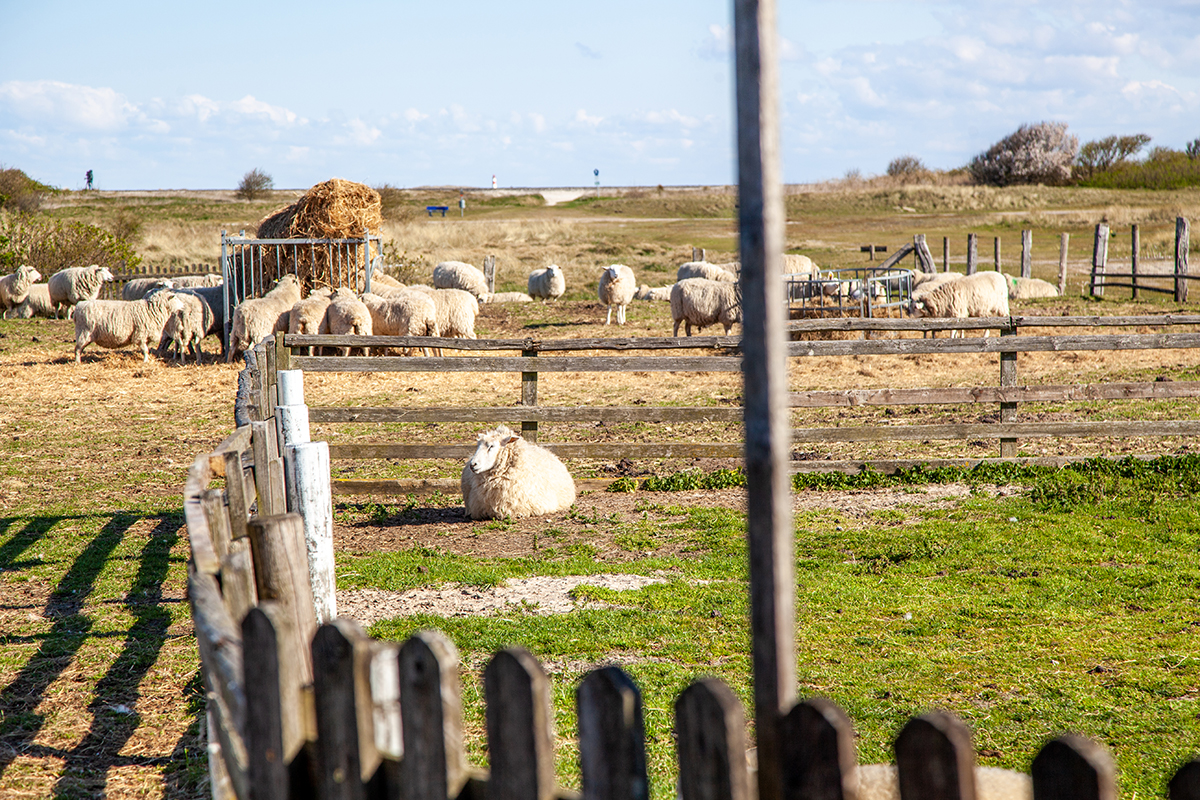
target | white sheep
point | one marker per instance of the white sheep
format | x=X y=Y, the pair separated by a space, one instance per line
x=208 y=279
x=308 y=316
x=37 y=304
x=348 y=316
x=510 y=477
x=703 y=269
x=798 y=263
x=616 y=288
x=506 y=297
x=404 y=313
x=1029 y=288
x=700 y=302
x=74 y=285
x=258 y=317
x=882 y=782
x=456 y=311
x=214 y=298
x=189 y=320
x=119 y=323
x=137 y=288
x=984 y=294
x=645 y=292
x=380 y=279
x=14 y=288
x=548 y=283
x=459 y=275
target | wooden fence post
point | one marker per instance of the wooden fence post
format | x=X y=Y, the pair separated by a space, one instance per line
x=710 y=739
x=281 y=575
x=1026 y=254
x=1008 y=411
x=935 y=760
x=972 y=253
x=945 y=254
x=819 y=755
x=345 y=752
x=489 y=272
x=265 y=443
x=997 y=241
x=612 y=740
x=520 y=727
x=1185 y=785
x=434 y=765
x=1181 y=259
x=698 y=254
x=923 y=256
x=217 y=515
x=1099 y=260
x=1073 y=768
x=1135 y=246
x=529 y=386
x=275 y=734
x=237 y=579
x=385 y=699
x=1063 y=241
x=310 y=493
x=235 y=494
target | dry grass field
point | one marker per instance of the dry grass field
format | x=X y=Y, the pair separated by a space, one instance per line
x=99 y=690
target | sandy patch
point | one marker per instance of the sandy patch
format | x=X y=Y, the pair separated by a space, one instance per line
x=555 y=196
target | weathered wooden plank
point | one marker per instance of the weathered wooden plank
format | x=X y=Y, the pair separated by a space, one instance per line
x=262 y=439
x=905 y=250
x=237 y=579
x=537 y=345
x=1063 y=244
x=520 y=727
x=518 y=364
x=604 y=450
x=1008 y=344
x=1185 y=784
x=1152 y=390
x=1008 y=408
x=204 y=556
x=236 y=442
x=1066 y=428
x=385 y=699
x=935 y=759
x=819 y=754
x=216 y=514
x=340 y=757
x=426 y=487
x=1073 y=768
x=975 y=323
x=1182 y=232
x=891 y=466
x=710 y=734
x=488 y=414
x=274 y=542
x=235 y=495
x=529 y=385
x=434 y=765
x=308 y=474
x=612 y=739
x=274 y=728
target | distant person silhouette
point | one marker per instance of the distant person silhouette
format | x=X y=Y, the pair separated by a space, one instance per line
x=89 y=180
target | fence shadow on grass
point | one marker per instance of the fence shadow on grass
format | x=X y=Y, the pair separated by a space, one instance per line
x=82 y=768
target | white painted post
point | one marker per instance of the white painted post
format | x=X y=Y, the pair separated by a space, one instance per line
x=291 y=422
x=309 y=493
x=291 y=387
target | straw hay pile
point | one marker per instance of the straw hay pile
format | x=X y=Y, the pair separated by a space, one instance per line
x=335 y=209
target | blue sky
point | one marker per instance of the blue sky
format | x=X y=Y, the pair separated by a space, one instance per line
x=155 y=95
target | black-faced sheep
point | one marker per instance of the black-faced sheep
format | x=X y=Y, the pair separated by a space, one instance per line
x=74 y=285
x=256 y=318
x=119 y=323
x=14 y=288
x=348 y=316
x=510 y=477
x=548 y=283
x=984 y=294
x=459 y=275
x=700 y=302
x=616 y=288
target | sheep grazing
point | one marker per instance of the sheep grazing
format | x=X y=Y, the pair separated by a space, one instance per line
x=882 y=782
x=459 y=275
x=616 y=288
x=380 y=279
x=208 y=279
x=189 y=320
x=984 y=294
x=548 y=283
x=510 y=477
x=406 y=313
x=14 y=288
x=506 y=297
x=456 y=311
x=700 y=302
x=138 y=288
x=214 y=298
x=703 y=269
x=36 y=304
x=119 y=323
x=1029 y=288
x=348 y=316
x=74 y=285
x=797 y=263
x=308 y=315
x=645 y=292
x=258 y=317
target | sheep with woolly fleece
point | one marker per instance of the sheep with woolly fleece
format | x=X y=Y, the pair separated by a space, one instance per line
x=258 y=317
x=460 y=275
x=119 y=323
x=1029 y=288
x=308 y=315
x=645 y=292
x=36 y=304
x=405 y=313
x=547 y=284
x=189 y=320
x=700 y=302
x=798 y=263
x=208 y=279
x=703 y=269
x=137 y=288
x=74 y=285
x=506 y=297
x=510 y=477
x=14 y=288
x=984 y=294
x=456 y=311
x=616 y=288
x=379 y=279
x=348 y=316
x=214 y=298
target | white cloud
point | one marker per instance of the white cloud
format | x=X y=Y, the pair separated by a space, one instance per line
x=250 y=106
x=198 y=106
x=68 y=104
x=539 y=122
x=718 y=45
x=670 y=117
x=582 y=117
x=362 y=133
x=413 y=115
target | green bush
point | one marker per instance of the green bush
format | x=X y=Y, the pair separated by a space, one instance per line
x=1164 y=169
x=49 y=245
x=19 y=192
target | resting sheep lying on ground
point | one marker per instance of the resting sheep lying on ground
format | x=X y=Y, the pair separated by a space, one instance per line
x=459 y=275
x=510 y=477
x=256 y=318
x=984 y=294
x=703 y=269
x=347 y=316
x=14 y=288
x=74 y=285
x=506 y=297
x=548 y=283
x=616 y=288
x=37 y=304
x=1029 y=288
x=645 y=292
x=701 y=302
x=118 y=323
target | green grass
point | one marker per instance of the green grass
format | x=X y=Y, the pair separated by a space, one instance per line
x=1026 y=619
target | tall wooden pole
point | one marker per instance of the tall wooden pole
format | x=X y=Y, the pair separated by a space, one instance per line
x=764 y=368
